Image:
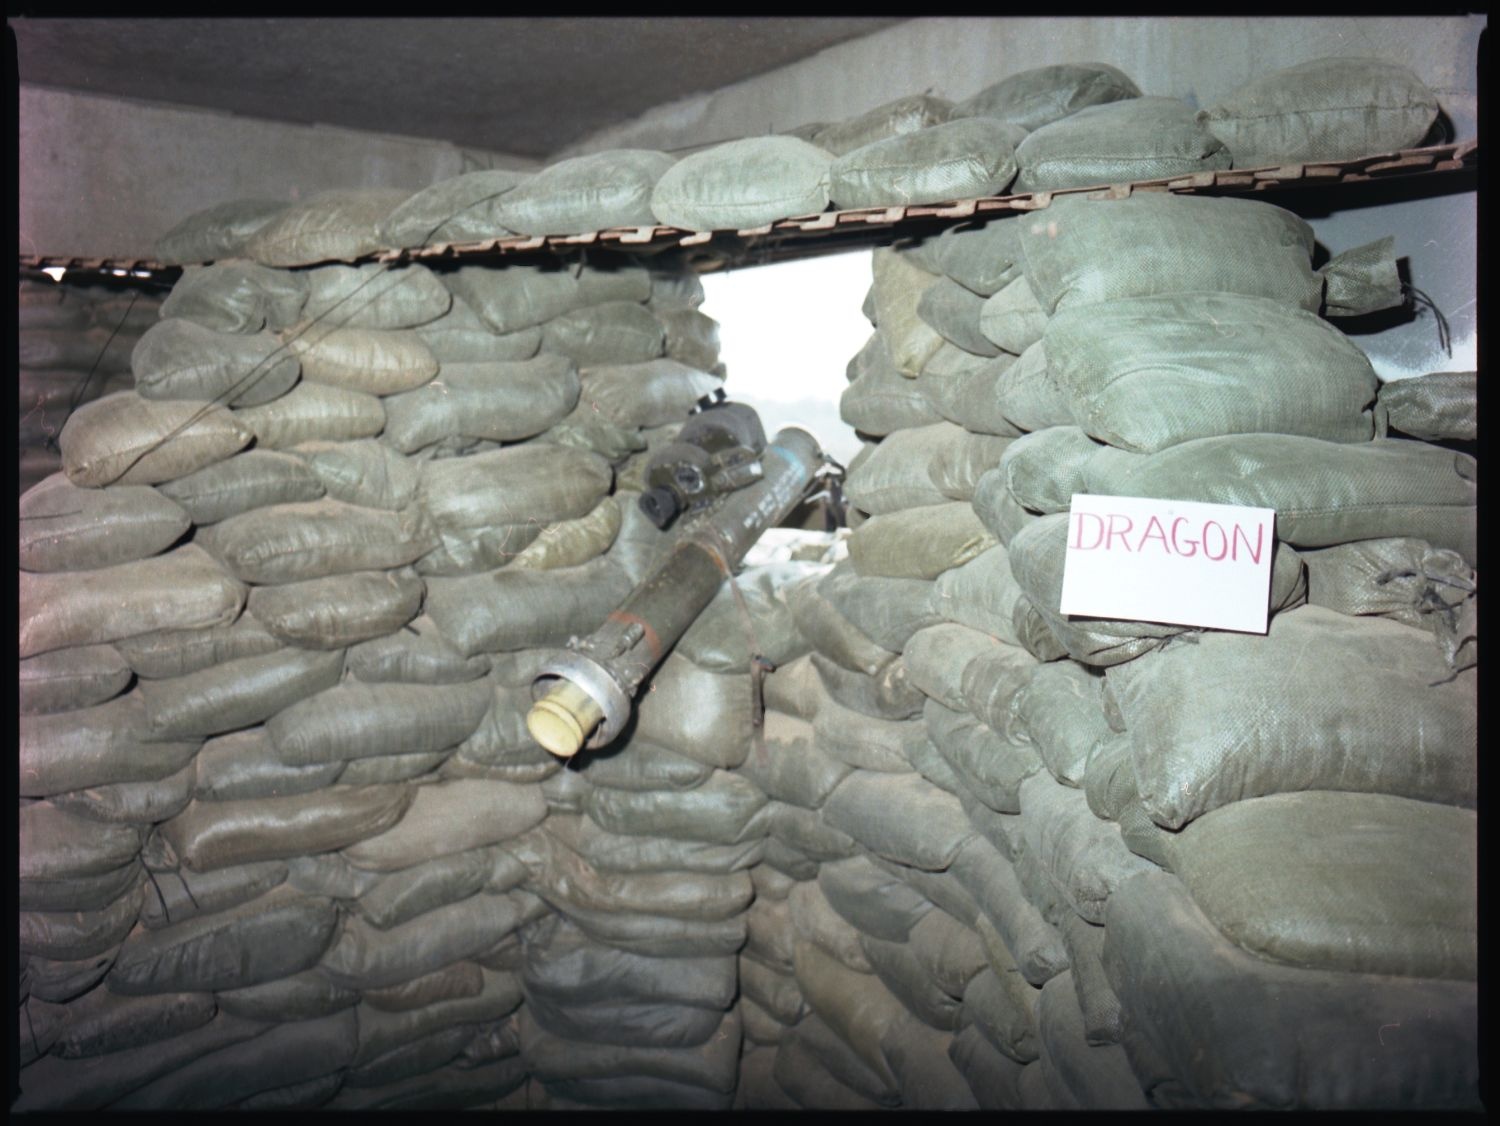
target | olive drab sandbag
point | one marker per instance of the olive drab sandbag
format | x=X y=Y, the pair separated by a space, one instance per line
x=253 y=478
x=1325 y=109
x=503 y=400
x=459 y=209
x=1040 y=96
x=742 y=184
x=178 y=359
x=953 y=160
x=1438 y=407
x=1117 y=142
x=216 y=232
x=897 y=118
x=594 y=192
x=66 y=528
x=331 y=224
x=124 y=439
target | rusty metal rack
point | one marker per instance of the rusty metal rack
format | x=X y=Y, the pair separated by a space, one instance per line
x=827 y=231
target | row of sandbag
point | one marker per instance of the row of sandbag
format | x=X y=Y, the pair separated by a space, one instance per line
x=73 y=345
x=243 y=756
x=1053 y=127
x=1183 y=716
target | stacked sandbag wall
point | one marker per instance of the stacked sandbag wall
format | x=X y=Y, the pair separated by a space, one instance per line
x=1123 y=865
x=285 y=840
x=73 y=345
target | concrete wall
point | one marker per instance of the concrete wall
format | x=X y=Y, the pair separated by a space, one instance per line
x=1198 y=60
x=105 y=176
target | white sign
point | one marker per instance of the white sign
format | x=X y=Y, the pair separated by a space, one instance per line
x=1178 y=562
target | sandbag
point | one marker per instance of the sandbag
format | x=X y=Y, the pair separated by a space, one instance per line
x=990 y=767
x=354 y=720
x=451 y=817
x=742 y=184
x=330 y=224
x=1096 y=1077
x=292 y=542
x=970 y=396
x=982 y=257
x=451 y=983
x=1323 y=492
x=368 y=360
x=521 y=297
x=1044 y=469
x=700 y=714
x=618 y=332
x=1438 y=407
x=955 y=312
x=66 y=528
x=376 y=295
x=180 y=359
x=879 y=400
x=863 y=741
x=216 y=232
x=981 y=594
x=949 y=161
x=1062 y=710
x=889 y=611
x=57 y=845
x=813 y=1038
x=903 y=975
x=722 y=640
x=1268 y=1036
x=312 y=412
x=367 y=473
x=889 y=695
x=132 y=802
x=898 y=290
x=459 y=209
x=814 y=920
x=720 y=811
x=1084 y=858
x=1082 y=251
x=594 y=192
x=925 y=1076
x=991 y=1076
x=75 y=935
x=1338 y=703
x=127 y=440
x=1042 y=95
x=1324 y=109
x=101 y=1022
x=898 y=118
x=276 y=935
x=339 y=610
x=459 y=336
x=1013 y=319
x=856 y=1006
x=563 y=964
x=236 y=694
x=1403 y=903
x=691 y=337
x=418 y=654
x=365 y=957
x=217 y=834
x=68 y=679
x=918 y=543
x=899 y=817
x=712 y=1065
x=794 y=769
x=178 y=895
x=1148 y=372
x=922 y=466
x=95 y=746
x=651 y=393
x=936 y=657
x=512 y=486
x=1098 y=1004
x=832 y=635
x=251 y=479
x=992 y=880
x=1118 y=142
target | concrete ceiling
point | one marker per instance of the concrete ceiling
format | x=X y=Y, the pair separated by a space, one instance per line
x=522 y=86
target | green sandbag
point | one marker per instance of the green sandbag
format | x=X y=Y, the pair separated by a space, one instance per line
x=858 y=1007
x=922 y=466
x=898 y=289
x=236 y=694
x=918 y=543
x=896 y=966
x=879 y=400
x=367 y=473
x=981 y=595
x=970 y=396
x=794 y=769
x=990 y=1075
x=1100 y=1007
x=376 y=295
x=96 y=746
x=936 y=657
x=216 y=232
x=1012 y=319
x=692 y=337
x=124 y=439
x=254 y=478
x=503 y=401
x=132 y=802
x=56 y=845
x=65 y=528
x=1323 y=492
x=1095 y=1077
x=925 y=1076
x=278 y=934
x=353 y=720
x=887 y=610
x=369 y=360
x=897 y=118
x=1119 y=142
x=982 y=257
x=703 y=715
x=450 y=817
x=221 y=834
x=67 y=679
x=1402 y=902
x=618 y=332
x=179 y=359
x=814 y=920
x=713 y=1065
x=1338 y=703
x=1233 y=1030
x=520 y=297
x=1030 y=396
x=870 y=899
x=594 y=192
x=416 y=654
x=313 y=412
x=742 y=184
x=459 y=336
x=1044 y=469
x=720 y=811
x=402 y=896
x=75 y=935
x=890 y=695
x=990 y=767
x=721 y=639
x=328 y=225
x=1324 y=109
x=831 y=634
x=237 y=297
x=1081 y=251
x=1062 y=710
x=1039 y=96
x=101 y=1022
x=1084 y=857
x=339 y=610
x=949 y=161
x=900 y=817
x=459 y=209
x=451 y=983
x=292 y=542
x=1442 y=406
x=1143 y=373
x=650 y=393
x=182 y=894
